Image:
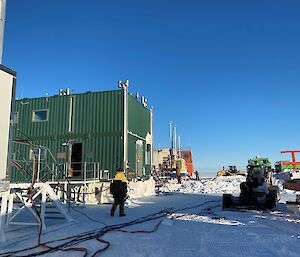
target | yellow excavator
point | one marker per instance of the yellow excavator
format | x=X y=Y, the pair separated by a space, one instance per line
x=231 y=171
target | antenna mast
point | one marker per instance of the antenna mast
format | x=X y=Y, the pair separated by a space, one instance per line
x=175 y=142
x=2 y=21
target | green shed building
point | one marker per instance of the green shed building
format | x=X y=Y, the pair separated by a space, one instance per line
x=88 y=133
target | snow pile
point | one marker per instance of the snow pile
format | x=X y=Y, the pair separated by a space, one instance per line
x=284 y=194
x=295 y=175
x=141 y=188
x=136 y=189
x=217 y=185
x=223 y=185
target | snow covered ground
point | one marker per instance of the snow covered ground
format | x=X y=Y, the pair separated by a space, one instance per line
x=217 y=185
x=195 y=225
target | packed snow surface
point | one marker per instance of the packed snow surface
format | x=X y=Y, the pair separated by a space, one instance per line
x=195 y=226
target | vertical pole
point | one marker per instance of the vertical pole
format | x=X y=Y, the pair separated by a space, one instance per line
x=2 y=22
x=84 y=172
x=43 y=207
x=66 y=191
x=175 y=142
x=69 y=166
x=294 y=161
x=171 y=139
x=179 y=147
x=98 y=170
x=125 y=123
x=33 y=166
x=151 y=132
x=171 y=145
x=53 y=172
x=69 y=196
x=38 y=165
x=84 y=185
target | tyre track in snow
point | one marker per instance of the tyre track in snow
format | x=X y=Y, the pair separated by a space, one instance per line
x=281 y=225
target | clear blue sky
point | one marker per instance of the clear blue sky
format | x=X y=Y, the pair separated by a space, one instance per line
x=226 y=72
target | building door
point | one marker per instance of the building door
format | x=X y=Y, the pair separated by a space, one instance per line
x=76 y=159
x=139 y=158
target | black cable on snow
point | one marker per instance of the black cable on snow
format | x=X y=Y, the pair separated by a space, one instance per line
x=98 y=233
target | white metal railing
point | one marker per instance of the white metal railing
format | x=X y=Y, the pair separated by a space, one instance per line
x=77 y=171
x=43 y=166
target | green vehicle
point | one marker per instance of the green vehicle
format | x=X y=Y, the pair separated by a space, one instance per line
x=257 y=193
x=279 y=166
x=259 y=161
x=259 y=165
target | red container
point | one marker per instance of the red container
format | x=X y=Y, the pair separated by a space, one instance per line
x=187 y=156
x=190 y=169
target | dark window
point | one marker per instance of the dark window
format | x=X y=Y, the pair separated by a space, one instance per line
x=76 y=159
x=41 y=115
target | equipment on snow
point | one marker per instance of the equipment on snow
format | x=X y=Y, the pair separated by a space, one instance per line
x=257 y=192
x=231 y=171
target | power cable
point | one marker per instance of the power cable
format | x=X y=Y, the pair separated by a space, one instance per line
x=98 y=233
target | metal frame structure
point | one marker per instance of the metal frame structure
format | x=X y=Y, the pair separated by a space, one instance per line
x=293 y=162
x=32 y=196
x=43 y=191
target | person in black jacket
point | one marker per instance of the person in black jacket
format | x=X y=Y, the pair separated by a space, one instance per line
x=118 y=188
x=197 y=175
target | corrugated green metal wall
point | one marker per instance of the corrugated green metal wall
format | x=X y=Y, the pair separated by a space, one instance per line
x=58 y=115
x=138 y=117
x=98 y=112
x=139 y=125
x=97 y=124
x=95 y=113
